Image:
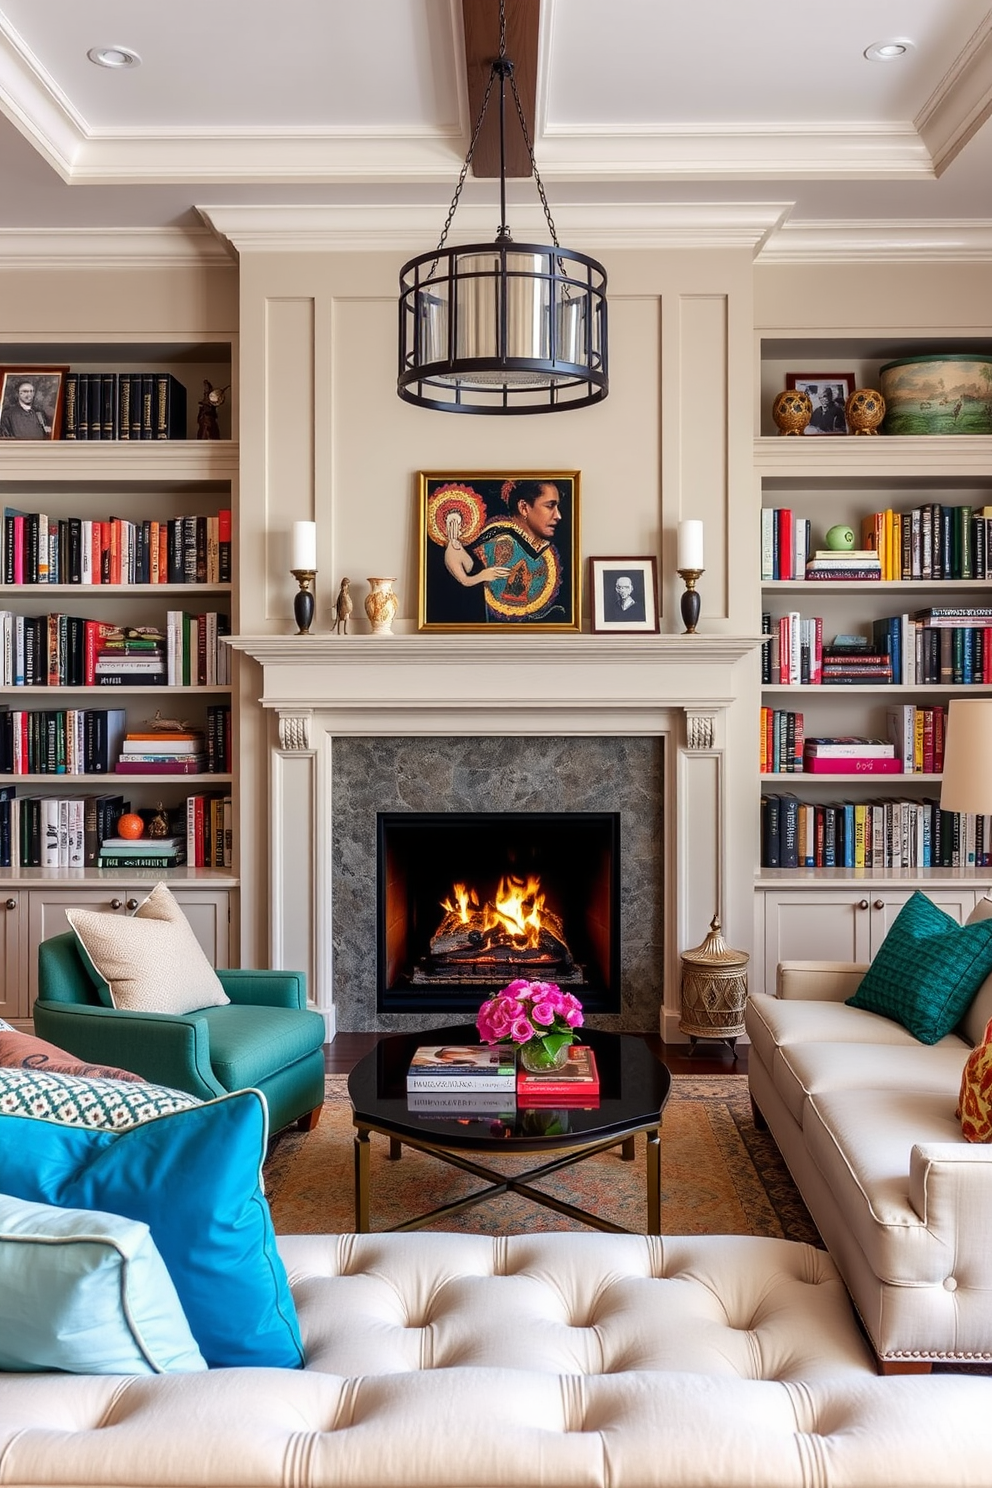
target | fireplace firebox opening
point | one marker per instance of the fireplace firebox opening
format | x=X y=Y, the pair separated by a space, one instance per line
x=467 y=901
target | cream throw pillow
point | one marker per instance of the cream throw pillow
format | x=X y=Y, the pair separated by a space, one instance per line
x=151 y=960
x=973 y=1024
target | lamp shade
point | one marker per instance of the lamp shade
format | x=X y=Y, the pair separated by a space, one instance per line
x=967 y=782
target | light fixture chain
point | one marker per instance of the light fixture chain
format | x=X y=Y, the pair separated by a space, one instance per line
x=461 y=178
x=533 y=163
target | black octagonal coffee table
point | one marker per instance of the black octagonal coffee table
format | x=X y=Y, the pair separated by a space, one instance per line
x=634 y=1087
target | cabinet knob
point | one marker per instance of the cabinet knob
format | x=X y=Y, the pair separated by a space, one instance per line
x=879 y=904
x=862 y=903
x=11 y=903
x=132 y=904
x=116 y=903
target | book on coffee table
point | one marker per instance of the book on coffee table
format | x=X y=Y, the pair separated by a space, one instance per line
x=440 y=1067
x=459 y=1103
x=575 y=1083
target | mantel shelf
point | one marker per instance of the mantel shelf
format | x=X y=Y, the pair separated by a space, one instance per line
x=500 y=650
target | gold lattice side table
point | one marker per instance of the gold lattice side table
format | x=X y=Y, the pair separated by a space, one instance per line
x=714 y=990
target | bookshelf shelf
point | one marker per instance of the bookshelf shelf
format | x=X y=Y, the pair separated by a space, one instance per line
x=809 y=778
x=108 y=591
x=87 y=782
x=879 y=689
x=874 y=586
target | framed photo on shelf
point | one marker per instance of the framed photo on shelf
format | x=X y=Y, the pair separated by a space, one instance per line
x=623 y=594
x=828 y=392
x=499 y=551
x=31 y=402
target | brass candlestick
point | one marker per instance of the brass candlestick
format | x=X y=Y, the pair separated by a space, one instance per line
x=304 y=602
x=690 y=601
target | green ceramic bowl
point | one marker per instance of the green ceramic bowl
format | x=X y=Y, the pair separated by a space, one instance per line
x=938 y=394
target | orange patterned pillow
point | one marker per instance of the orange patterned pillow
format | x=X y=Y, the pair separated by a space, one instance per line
x=975 y=1102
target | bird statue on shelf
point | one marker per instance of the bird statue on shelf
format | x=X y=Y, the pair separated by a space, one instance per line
x=206 y=417
x=343 y=607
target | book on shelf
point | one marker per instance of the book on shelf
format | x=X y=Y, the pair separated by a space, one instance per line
x=440 y=1067
x=851 y=573
x=955 y=616
x=576 y=1081
x=782 y=738
x=852 y=765
x=209 y=831
x=918 y=736
x=126 y=405
x=850 y=747
x=188 y=765
x=38 y=549
x=137 y=860
x=880 y=834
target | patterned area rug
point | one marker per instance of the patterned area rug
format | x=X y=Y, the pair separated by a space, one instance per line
x=719 y=1176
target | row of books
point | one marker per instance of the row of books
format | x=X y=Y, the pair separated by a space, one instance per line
x=90 y=741
x=123 y=405
x=918 y=734
x=38 y=549
x=79 y=832
x=935 y=646
x=59 y=650
x=449 y=1078
x=932 y=541
x=871 y=834
x=915 y=745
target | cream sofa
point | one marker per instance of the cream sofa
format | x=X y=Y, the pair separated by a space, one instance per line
x=864 y=1116
x=450 y=1361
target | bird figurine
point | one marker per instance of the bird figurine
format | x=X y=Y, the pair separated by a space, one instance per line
x=343 y=607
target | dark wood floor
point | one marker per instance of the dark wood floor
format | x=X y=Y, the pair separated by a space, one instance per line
x=710 y=1058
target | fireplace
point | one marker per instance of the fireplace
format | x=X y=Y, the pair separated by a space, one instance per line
x=467 y=901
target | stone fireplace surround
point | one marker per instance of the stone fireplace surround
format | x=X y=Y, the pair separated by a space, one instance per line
x=320 y=688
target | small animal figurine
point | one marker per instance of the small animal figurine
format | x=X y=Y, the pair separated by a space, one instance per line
x=158 y=724
x=159 y=824
x=206 y=417
x=343 y=607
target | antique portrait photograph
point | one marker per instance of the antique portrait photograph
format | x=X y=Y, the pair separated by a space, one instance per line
x=623 y=594
x=828 y=392
x=31 y=402
x=499 y=552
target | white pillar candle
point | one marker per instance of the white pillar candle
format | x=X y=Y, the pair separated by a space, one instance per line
x=690 y=548
x=304 y=545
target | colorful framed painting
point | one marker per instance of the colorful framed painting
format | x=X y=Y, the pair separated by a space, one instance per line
x=499 y=551
x=828 y=393
x=31 y=402
x=623 y=594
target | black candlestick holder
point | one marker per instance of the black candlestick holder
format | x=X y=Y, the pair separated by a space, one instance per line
x=690 y=602
x=304 y=602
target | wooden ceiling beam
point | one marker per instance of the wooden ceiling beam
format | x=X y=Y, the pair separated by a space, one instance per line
x=481 y=20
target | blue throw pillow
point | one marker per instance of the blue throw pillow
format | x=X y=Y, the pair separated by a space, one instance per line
x=194 y=1177
x=88 y=1293
x=927 y=970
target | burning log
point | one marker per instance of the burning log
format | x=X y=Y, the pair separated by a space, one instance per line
x=515 y=929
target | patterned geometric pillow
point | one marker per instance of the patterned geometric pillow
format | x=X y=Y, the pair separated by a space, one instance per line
x=25 y=1051
x=70 y=1100
x=975 y=1102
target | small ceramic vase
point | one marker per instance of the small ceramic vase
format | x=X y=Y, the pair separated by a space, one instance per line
x=864 y=410
x=381 y=605
x=792 y=411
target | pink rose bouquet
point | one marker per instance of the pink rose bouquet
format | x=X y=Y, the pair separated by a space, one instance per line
x=533 y=1014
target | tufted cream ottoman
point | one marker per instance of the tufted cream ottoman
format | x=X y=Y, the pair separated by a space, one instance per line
x=534 y=1361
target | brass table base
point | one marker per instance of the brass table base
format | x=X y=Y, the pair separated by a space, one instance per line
x=518 y=1184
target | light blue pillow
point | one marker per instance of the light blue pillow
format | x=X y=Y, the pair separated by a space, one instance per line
x=194 y=1177
x=88 y=1293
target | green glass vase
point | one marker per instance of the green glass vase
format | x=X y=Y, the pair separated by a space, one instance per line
x=540 y=1057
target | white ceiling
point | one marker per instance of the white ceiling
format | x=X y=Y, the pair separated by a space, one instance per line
x=331 y=102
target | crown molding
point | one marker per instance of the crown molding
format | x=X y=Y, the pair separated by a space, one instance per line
x=961 y=101
x=102 y=248
x=920 y=241
x=414 y=229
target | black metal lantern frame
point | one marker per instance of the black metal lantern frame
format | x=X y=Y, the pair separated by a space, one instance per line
x=502 y=327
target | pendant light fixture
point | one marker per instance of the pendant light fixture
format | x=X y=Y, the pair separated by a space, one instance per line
x=502 y=327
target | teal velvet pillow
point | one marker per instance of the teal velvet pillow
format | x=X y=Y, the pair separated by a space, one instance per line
x=927 y=970
x=194 y=1177
x=87 y=1293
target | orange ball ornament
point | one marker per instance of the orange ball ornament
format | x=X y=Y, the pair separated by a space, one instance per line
x=130 y=825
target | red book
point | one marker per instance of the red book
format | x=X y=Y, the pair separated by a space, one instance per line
x=858 y=765
x=786 y=543
x=160 y=767
x=577 y=1081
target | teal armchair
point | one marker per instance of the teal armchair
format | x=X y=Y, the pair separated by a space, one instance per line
x=266 y=1037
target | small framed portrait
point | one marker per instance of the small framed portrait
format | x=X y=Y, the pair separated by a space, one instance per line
x=499 y=551
x=623 y=594
x=828 y=393
x=31 y=402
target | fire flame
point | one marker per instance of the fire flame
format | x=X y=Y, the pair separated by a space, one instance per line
x=517 y=909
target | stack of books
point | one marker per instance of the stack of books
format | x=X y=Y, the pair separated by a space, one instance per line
x=163 y=752
x=854 y=563
x=461 y=1079
x=130 y=656
x=850 y=755
x=575 y=1084
x=142 y=852
x=850 y=661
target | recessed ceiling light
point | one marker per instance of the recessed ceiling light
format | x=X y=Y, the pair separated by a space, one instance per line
x=888 y=51
x=114 y=56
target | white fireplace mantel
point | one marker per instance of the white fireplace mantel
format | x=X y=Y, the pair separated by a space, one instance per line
x=678 y=687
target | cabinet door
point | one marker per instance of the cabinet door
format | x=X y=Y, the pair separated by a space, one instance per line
x=817 y=925
x=13 y=992
x=209 y=913
x=885 y=906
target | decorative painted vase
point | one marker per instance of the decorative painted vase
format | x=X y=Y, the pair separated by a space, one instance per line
x=938 y=394
x=792 y=411
x=864 y=410
x=381 y=605
x=538 y=1058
